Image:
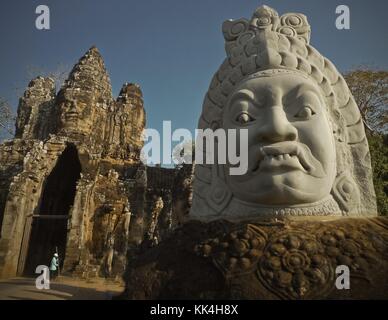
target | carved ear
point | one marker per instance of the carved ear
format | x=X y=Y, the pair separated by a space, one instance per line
x=219 y=196
x=345 y=192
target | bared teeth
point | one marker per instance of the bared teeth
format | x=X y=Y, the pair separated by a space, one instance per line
x=284 y=156
x=278 y=157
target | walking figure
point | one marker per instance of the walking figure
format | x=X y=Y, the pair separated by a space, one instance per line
x=54 y=266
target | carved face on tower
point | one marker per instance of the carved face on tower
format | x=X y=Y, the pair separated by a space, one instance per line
x=307 y=151
x=76 y=112
x=85 y=97
x=291 y=153
x=70 y=114
x=79 y=113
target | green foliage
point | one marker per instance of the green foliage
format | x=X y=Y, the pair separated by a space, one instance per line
x=378 y=145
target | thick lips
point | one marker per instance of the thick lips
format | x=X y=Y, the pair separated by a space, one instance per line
x=288 y=156
x=71 y=115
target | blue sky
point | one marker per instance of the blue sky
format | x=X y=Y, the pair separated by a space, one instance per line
x=170 y=47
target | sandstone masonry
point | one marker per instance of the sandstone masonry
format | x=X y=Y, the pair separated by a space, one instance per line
x=71 y=180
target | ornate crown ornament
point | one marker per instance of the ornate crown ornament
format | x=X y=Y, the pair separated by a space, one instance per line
x=263 y=46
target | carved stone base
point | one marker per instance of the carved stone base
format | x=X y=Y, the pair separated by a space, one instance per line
x=288 y=259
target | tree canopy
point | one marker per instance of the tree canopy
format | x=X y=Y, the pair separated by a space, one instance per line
x=370 y=90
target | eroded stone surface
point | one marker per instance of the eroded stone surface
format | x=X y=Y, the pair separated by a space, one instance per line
x=273 y=260
x=114 y=193
x=36 y=109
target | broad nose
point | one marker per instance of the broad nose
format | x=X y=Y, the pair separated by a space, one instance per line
x=277 y=128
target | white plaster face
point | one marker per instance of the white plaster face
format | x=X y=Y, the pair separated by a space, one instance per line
x=291 y=153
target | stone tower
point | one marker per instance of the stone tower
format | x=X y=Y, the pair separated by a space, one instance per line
x=67 y=177
x=35 y=110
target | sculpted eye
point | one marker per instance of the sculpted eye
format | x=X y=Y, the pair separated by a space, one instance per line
x=305 y=113
x=244 y=118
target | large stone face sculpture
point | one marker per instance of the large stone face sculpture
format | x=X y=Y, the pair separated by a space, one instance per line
x=84 y=101
x=307 y=150
x=307 y=155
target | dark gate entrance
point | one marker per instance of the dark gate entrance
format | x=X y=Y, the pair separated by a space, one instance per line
x=46 y=230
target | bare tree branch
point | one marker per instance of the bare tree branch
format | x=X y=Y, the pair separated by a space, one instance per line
x=7 y=119
x=370 y=90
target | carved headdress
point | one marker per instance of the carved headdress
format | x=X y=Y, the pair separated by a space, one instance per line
x=263 y=46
